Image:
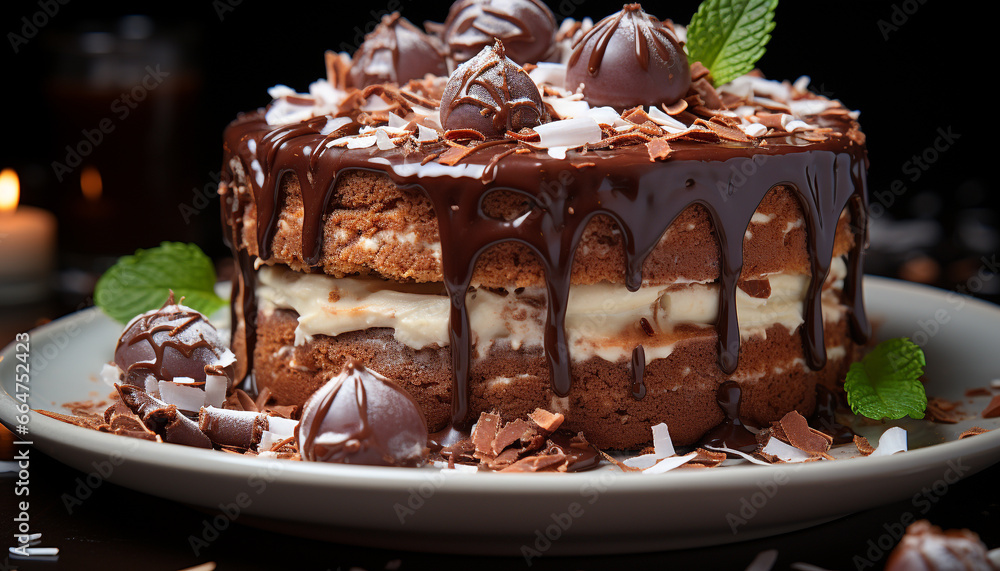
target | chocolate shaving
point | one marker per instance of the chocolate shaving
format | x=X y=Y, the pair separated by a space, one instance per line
x=485 y=432
x=675 y=108
x=863 y=446
x=992 y=410
x=512 y=432
x=978 y=392
x=455 y=154
x=546 y=421
x=724 y=131
x=708 y=93
x=760 y=289
x=699 y=71
x=548 y=462
x=801 y=436
x=972 y=432
x=264 y=395
x=941 y=410
x=658 y=148
x=337 y=68
x=706 y=458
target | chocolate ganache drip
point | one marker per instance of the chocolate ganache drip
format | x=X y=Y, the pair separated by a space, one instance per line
x=642 y=197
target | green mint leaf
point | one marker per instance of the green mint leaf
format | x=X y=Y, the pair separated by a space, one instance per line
x=142 y=282
x=729 y=36
x=886 y=383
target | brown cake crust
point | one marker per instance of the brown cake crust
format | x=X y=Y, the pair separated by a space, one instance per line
x=365 y=204
x=599 y=403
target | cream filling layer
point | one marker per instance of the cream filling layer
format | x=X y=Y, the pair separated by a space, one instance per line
x=597 y=315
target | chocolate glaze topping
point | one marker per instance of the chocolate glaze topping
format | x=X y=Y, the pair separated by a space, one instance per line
x=396 y=51
x=526 y=27
x=643 y=197
x=629 y=59
x=492 y=95
x=359 y=417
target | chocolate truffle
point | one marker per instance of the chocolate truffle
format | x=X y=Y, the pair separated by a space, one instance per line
x=629 y=59
x=396 y=51
x=526 y=27
x=491 y=94
x=173 y=341
x=360 y=417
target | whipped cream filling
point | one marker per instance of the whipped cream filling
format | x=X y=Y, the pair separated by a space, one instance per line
x=597 y=316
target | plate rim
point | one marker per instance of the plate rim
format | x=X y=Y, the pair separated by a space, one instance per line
x=155 y=455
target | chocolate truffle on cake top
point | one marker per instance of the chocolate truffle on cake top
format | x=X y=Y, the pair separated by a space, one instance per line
x=396 y=51
x=526 y=27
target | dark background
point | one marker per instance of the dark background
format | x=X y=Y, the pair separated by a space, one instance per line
x=914 y=68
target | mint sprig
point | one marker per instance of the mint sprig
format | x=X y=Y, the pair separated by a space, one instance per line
x=729 y=36
x=142 y=282
x=886 y=383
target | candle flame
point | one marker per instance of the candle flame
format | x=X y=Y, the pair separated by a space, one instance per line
x=90 y=183
x=10 y=190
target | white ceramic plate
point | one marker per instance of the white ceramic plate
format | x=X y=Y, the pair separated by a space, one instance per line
x=518 y=514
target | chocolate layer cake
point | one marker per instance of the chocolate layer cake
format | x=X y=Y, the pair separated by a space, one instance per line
x=508 y=238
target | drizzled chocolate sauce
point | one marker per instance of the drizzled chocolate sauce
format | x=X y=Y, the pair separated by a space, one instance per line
x=728 y=179
x=638 y=369
x=731 y=433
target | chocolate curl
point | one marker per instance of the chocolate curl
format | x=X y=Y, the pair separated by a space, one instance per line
x=163 y=418
x=239 y=428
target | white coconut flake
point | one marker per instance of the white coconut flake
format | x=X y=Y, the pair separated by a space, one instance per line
x=283 y=427
x=891 y=441
x=569 y=133
x=558 y=152
x=280 y=90
x=797 y=125
x=184 y=397
x=785 y=452
x=743 y=455
x=396 y=122
x=754 y=129
x=361 y=142
x=267 y=440
x=606 y=116
x=799 y=566
x=802 y=83
x=666 y=464
x=110 y=374
x=375 y=103
x=151 y=385
x=184 y=380
x=215 y=390
x=803 y=107
x=663 y=447
x=568 y=107
x=334 y=124
x=425 y=135
x=382 y=140
x=227 y=358
x=661 y=118
x=764 y=561
x=548 y=73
